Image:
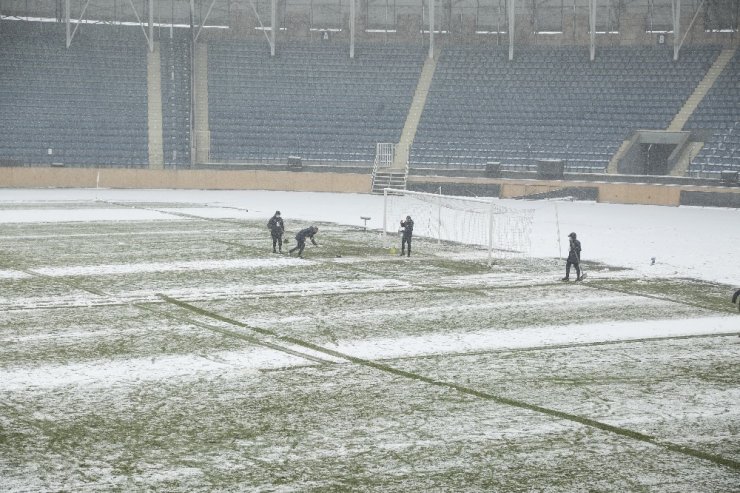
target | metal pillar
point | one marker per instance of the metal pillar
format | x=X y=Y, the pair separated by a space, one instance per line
x=512 y=17
x=592 y=25
x=151 y=26
x=193 y=37
x=676 y=11
x=66 y=21
x=351 y=28
x=273 y=23
x=431 y=28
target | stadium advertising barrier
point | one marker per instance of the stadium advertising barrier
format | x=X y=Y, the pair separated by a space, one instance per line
x=184 y=179
x=617 y=192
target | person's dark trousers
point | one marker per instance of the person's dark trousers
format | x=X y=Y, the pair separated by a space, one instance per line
x=406 y=243
x=300 y=246
x=277 y=240
x=576 y=264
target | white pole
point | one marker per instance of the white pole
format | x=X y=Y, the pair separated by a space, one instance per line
x=676 y=8
x=66 y=21
x=351 y=28
x=512 y=18
x=274 y=26
x=557 y=227
x=439 y=218
x=592 y=24
x=431 y=28
x=490 y=234
x=151 y=26
x=385 y=210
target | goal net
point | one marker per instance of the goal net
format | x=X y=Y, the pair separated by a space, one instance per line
x=504 y=232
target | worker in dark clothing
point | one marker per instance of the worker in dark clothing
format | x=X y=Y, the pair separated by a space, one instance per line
x=407 y=230
x=277 y=228
x=300 y=238
x=574 y=258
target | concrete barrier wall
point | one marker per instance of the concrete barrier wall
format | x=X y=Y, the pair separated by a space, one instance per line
x=305 y=181
x=184 y=179
x=616 y=193
x=630 y=193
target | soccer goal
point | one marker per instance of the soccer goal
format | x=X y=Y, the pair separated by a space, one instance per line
x=504 y=232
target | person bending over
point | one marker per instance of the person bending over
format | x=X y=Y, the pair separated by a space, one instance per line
x=300 y=239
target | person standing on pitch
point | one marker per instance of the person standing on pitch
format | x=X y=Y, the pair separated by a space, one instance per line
x=407 y=229
x=277 y=228
x=300 y=238
x=574 y=258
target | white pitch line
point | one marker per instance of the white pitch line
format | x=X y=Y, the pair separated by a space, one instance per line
x=529 y=337
x=14 y=274
x=108 y=372
x=153 y=233
x=81 y=299
x=183 y=266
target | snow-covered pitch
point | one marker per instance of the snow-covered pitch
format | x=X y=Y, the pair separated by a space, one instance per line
x=150 y=341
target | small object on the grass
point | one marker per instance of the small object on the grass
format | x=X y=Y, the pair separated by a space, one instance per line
x=366 y=219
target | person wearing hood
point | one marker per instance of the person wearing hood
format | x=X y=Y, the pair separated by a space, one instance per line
x=300 y=238
x=574 y=258
x=407 y=229
x=277 y=228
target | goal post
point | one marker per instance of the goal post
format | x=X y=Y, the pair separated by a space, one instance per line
x=503 y=231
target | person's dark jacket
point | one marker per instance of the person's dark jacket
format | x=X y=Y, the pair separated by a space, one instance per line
x=574 y=255
x=408 y=227
x=276 y=225
x=306 y=233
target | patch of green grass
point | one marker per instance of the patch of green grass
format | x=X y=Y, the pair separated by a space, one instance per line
x=707 y=295
x=438 y=422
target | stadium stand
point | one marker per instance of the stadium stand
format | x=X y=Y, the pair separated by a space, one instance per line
x=86 y=105
x=175 y=62
x=719 y=115
x=311 y=100
x=550 y=103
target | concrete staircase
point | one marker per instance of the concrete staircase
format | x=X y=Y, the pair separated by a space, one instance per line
x=401 y=157
x=389 y=178
x=154 y=109
x=202 y=131
x=701 y=90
